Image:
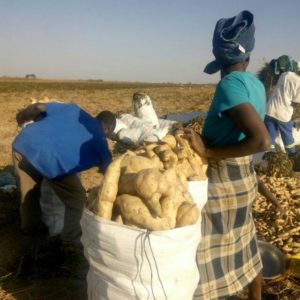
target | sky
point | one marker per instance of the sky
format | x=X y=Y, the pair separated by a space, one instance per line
x=134 y=40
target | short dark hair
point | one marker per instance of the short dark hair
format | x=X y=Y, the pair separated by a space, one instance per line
x=108 y=119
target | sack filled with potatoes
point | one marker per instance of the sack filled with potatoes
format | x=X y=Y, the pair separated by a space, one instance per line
x=148 y=188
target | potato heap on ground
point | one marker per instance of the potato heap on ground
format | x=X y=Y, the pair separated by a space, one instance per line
x=148 y=188
x=282 y=231
x=279 y=165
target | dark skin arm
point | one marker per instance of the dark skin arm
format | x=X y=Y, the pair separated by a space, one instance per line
x=248 y=121
x=257 y=139
x=32 y=112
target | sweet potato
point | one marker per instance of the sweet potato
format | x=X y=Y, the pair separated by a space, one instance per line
x=149 y=150
x=146 y=185
x=183 y=142
x=149 y=184
x=157 y=163
x=180 y=152
x=169 y=206
x=135 y=212
x=126 y=185
x=161 y=148
x=168 y=180
x=197 y=163
x=92 y=198
x=169 y=158
x=150 y=146
x=183 y=167
x=170 y=140
x=118 y=219
x=134 y=164
x=187 y=214
x=108 y=193
x=169 y=210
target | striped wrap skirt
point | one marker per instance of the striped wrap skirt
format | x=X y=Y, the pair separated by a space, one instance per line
x=228 y=257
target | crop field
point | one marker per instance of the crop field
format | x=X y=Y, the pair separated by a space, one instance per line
x=95 y=96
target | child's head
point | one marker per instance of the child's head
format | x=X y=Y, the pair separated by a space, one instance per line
x=108 y=121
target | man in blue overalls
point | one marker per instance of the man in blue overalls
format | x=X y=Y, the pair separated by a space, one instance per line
x=62 y=141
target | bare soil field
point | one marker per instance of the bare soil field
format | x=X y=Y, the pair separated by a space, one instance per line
x=17 y=281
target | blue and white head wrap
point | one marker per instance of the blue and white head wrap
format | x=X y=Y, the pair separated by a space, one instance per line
x=233 y=41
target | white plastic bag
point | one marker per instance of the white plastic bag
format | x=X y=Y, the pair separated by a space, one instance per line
x=144 y=110
x=130 y=263
x=131 y=121
x=135 y=135
x=136 y=131
x=119 y=126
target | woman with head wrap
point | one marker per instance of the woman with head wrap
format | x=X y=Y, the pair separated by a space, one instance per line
x=228 y=256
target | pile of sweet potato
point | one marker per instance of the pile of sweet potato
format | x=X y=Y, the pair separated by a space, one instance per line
x=282 y=231
x=148 y=188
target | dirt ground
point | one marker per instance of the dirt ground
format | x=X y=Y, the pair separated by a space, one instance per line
x=18 y=279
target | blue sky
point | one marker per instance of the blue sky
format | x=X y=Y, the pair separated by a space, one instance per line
x=134 y=40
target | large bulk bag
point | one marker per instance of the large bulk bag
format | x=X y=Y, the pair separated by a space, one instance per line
x=129 y=263
x=132 y=263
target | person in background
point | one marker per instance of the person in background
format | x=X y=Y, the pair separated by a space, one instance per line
x=280 y=108
x=228 y=257
x=62 y=141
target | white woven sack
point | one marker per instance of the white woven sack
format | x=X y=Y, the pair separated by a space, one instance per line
x=134 y=135
x=144 y=110
x=132 y=122
x=127 y=263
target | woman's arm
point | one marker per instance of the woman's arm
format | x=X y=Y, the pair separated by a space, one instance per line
x=31 y=113
x=248 y=121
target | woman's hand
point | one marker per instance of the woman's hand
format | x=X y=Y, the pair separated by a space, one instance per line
x=195 y=141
